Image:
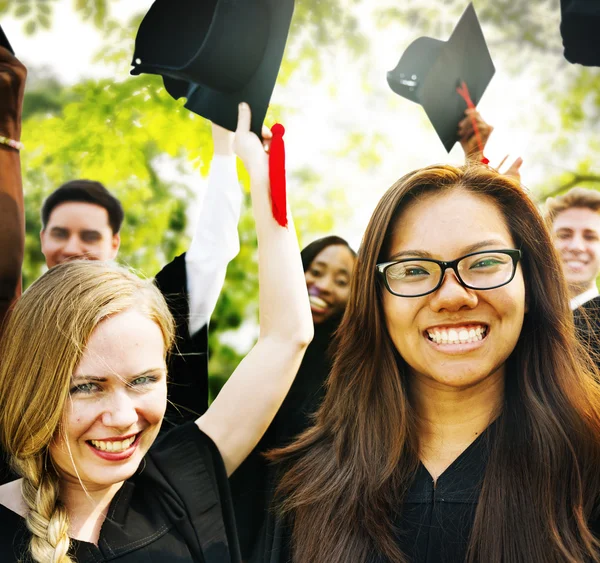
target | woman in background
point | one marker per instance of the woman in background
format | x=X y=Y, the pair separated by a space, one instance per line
x=328 y=265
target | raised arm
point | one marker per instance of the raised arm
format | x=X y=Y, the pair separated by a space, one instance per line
x=216 y=241
x=251 y=397
x=12 y=221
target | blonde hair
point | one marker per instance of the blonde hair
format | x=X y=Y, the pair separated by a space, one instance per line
x=576 y=197
x=43 y=342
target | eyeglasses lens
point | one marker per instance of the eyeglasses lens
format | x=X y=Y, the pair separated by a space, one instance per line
x=479 y=271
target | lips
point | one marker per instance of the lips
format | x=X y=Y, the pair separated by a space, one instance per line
x=115 y=449
x=317 y=303
x=459 y=334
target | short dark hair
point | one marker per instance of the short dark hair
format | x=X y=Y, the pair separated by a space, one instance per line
x=86 y=191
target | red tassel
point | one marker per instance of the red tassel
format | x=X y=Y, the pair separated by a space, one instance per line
x=277 y=175
x=464 y=93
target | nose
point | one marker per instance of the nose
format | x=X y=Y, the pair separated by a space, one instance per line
x=576 y=243
x=452 y=295
x=324 y=284
x=73 y=247
x=120 y=411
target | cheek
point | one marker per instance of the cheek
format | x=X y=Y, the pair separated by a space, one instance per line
x=154 y=405
x=398 y=318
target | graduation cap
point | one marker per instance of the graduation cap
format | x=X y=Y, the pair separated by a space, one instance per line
x=216 y=53
x=4 y=41
x=430 y=73
x=580 y=20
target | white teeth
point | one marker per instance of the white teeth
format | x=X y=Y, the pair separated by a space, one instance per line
x=113 y=446
x=454 y=336
x=318 y=302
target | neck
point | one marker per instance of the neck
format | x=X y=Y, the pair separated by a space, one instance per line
x=87 y=508
x=449 y=419
x=575 y=290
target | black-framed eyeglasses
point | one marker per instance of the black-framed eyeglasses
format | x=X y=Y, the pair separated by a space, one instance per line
x=415 y=277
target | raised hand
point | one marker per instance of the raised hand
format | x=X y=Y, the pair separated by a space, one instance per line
x=513 y=170
x=467 y=137
x=252 y=151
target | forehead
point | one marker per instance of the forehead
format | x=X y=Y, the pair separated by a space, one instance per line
x=335 y=256
x=77 y=215
x=125 y=344
x=577 y=219
x=445 y=224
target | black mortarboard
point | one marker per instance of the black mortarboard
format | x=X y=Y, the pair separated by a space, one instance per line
x=580 y=30
x=216 y=53
x=4 y=41
x=430 y=71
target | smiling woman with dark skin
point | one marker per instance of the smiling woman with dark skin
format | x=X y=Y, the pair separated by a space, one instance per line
x=461 y=419
x=328 y=266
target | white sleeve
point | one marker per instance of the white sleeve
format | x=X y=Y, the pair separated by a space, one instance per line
x=215 y=242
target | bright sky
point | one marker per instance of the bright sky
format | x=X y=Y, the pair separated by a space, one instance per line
x=319 y=124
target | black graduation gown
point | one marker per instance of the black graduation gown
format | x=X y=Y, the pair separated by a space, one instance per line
x=187 y=364
x=587 y=326
x=175 y=509
x=188 y=361
x=253 y=483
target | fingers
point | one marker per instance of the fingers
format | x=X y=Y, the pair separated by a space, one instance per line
x=501 y=163
x=244 y=118
x=266 y=133
x=513 y=170
x=466 y=129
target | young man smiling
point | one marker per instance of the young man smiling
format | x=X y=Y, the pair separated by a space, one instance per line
x=574 y=220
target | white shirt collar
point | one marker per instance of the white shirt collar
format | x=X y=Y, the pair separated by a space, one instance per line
x=584 y=297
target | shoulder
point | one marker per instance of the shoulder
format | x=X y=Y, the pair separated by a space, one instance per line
x=186 y=474
x=184 y=458
x=12 y=498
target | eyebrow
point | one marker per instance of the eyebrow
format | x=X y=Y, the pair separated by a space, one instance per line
x=104 y=378
x=466 y=250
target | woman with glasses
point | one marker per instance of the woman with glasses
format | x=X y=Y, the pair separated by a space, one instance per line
x=461 y=420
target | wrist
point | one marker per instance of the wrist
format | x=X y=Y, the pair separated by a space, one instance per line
x=10 y=143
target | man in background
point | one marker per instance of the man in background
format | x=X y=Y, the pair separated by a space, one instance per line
x=82 y=220
x=574 y=221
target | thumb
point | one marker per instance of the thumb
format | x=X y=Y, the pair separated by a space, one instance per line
x=244 y=117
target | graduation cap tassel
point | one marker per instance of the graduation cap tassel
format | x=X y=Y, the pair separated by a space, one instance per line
x=464 y=93
x=277 y=175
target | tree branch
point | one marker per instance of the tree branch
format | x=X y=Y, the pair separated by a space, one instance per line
x=574 y=181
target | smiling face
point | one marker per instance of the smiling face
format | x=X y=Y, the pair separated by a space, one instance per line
x=78 y=230
x=447 y=226
x=117 y=402
x=576 y=234
x=328 y=282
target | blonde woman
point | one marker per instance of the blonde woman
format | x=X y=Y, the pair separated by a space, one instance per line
x=83 y=394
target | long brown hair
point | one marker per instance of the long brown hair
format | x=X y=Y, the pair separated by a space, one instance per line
x=346 y=476
x=43 y=343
